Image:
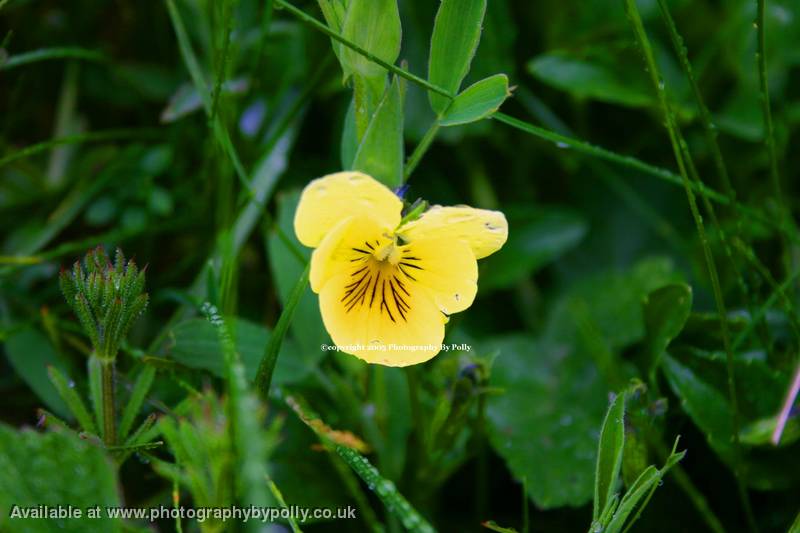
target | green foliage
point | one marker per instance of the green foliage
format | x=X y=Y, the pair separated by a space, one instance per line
x=456 y=33
x=380 y=152
x=31 y=354
x=609 y=456
x=176 y=129
x=477 y=101
x=51 y=469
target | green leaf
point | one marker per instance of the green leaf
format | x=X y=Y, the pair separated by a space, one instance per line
x=546 y=421
x=374 y=25
x=477 y=101
x=140 y=389
x=759 y=433
x=334 y=12
x=609 y=455
x=707 y=406
x=380 y=153
x=195 y=344
x=349 y=142
x=666 y=310
x=456 y=33
x=54 y=468
x=643 y=487
x=539 y=235
x=67 y=392
x=613 y=302
x=795 y=525
x=590 y=79
x=30 y=353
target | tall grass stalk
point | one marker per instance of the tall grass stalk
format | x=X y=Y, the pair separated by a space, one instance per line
x=679 y=150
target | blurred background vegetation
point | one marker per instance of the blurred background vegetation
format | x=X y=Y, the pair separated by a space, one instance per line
x=106 y=140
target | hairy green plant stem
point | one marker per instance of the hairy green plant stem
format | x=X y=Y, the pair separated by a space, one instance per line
x=679 y=153
x=108 y=392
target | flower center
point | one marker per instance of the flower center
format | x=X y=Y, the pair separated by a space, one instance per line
x=381 y=276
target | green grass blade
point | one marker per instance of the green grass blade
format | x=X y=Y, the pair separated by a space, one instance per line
x=709 y=128
x=140 y=389
x=267 y=364
x=73 y=400
x=626 y=161
x=769 y=133
x=97 y=136
x=683 y=160
x=47 y=54
x=386 y=491
x=276 y=492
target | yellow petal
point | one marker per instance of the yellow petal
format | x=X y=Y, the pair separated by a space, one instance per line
x=373 y=315
x=347 y=247
x=483 y=230
x=327 y=200
x=446 y=268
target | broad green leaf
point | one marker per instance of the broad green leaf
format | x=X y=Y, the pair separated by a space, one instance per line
x=380 y=153
x=374 y=25
x=54 y=468
x=194 y=343
x=612 y=301
x=665 y=312
x=456 y=33
x=591 y=79
x=538 y=236
x=545 y=424
x=609 y=456
x=30 y=353
x=477 y=101
x=706 y=405
x=700 y=381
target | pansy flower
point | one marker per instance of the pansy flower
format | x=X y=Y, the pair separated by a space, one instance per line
x=387 y=290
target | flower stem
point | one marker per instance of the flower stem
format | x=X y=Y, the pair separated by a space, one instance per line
x=109 y=415
x=420 y=150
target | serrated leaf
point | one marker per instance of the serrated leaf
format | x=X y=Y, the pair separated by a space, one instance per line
x=374 y=25
x=477 y=101
x=380 y=153
x=456 y=33
x=54 y=468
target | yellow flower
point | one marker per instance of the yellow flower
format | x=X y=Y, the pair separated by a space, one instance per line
x=386 y=291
